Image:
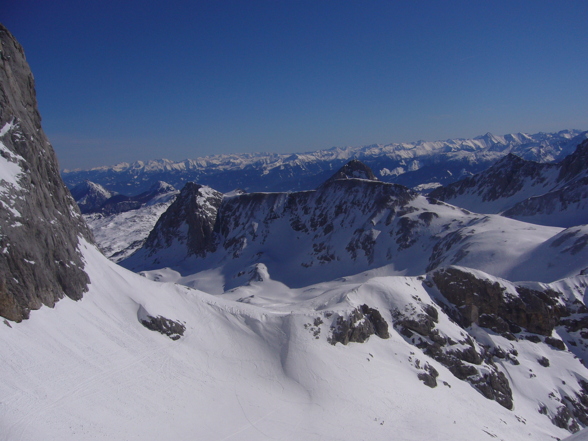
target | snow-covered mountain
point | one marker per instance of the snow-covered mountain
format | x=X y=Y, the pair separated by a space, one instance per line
x=547 y=194
x=94 y=198
x=90 y=196
x=422 y=163
x=346 y=226
x=121 y=224
x=451 y=353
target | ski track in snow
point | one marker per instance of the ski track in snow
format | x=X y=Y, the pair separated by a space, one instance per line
x=90 y=386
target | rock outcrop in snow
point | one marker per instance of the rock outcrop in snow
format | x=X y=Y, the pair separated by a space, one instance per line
x=40 y=223
x=354 y=170
x=187 y=225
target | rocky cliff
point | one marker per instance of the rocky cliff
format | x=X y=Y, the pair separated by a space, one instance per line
x=40 y=224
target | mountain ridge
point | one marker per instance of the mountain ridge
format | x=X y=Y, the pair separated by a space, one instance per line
x=549 y=194
x=344 y=227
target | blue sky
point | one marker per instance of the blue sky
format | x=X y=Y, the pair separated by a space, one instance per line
x=129 y=80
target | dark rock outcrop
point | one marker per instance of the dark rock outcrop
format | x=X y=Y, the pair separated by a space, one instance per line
x=171 y=328
x=189 y=220
x=486 y=303
x=362 y=322
x=466 y=360
x=429 y=377
x=41 y=225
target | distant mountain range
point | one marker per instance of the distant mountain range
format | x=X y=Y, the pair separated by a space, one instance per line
x=422 y=163
x=551 y=194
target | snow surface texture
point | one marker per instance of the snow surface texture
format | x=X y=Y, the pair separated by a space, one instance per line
x=422 y=163
x=262 y=369
x=580 y=436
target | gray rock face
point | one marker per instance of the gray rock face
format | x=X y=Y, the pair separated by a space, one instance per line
x=190 y=221
x=487 y=303
x=40 y=224
x=467 y=360
x=357 y=328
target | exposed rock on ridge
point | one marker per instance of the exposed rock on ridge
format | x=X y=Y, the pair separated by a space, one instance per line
x=490 y=305
x=354 y=170
x=189 y=221
x=40 y=224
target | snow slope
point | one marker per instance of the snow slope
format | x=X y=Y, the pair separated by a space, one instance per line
x=119 y=235
x=121 y=224
x=89 y=369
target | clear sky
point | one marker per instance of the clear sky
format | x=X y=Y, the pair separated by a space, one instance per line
x=122 y=80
